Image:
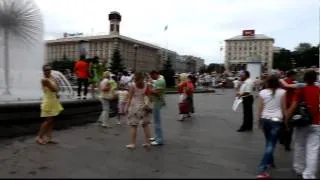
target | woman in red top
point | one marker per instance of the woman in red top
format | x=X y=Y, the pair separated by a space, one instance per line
x=286 y=134
x=186 y=89
x=307 y=139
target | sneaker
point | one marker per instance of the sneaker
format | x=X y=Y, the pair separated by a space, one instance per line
x=182 y=117
x=263 y=175
x=105 y=125
x=78 y=97
x=272 y=166
x=118 y=123
x=84 y=97
x=152 y=139
x=155 y=143
x=131 y=146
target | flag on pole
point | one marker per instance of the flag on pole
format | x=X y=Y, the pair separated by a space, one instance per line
x=166 y=27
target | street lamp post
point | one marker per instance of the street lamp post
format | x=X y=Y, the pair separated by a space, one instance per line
x=135 y=46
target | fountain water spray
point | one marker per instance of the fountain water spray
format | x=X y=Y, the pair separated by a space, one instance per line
x=20 y=20
x=65 y=88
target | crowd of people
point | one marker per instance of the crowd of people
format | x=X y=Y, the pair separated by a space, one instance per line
x=139 y=97
x=285 y=107
x=134 y=99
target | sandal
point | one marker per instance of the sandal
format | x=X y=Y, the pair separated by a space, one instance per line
x=147 y=146
x=41 y=141
x=50 y=141
x=131 y=146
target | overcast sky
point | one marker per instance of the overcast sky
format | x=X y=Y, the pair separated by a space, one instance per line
x=195 y=27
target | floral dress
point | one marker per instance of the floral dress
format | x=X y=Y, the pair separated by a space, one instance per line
x=136 y=112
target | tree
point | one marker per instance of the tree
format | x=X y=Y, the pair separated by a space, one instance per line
x=303 y=47
x=306 y=57
x=203 y=69
x=62 y=65
x=64 y=57
x=219 y=68
x=116 y=62
x=168 y=73
x=283 y=60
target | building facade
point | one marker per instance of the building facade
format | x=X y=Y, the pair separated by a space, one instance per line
x=239 y=49
x=277 y=49
x=136 y=55
x=185 y=63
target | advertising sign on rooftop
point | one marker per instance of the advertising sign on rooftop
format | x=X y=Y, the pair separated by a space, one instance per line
x=248 y=32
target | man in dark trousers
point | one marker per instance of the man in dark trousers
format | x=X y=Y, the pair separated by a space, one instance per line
x=286 y=134
x=82 y=70
x=245 y=93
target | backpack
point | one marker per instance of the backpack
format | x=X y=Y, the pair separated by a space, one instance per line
x=301 y=116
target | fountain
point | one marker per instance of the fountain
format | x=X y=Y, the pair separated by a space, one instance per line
x=21 y=59
x=22 y=49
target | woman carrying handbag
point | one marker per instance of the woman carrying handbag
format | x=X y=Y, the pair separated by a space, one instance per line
x=186 y=89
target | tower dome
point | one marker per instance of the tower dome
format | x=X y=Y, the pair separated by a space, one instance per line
x=115 y=19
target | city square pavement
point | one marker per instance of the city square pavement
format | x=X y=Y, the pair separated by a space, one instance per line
x=207 y=146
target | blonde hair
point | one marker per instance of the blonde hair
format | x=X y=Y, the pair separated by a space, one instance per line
x=184 y=77
x=106 y=74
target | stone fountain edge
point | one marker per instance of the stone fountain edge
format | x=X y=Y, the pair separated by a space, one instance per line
x=23 y=118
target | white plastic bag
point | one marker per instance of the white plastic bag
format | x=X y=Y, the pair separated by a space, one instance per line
x=182 y=97
x=237 y=101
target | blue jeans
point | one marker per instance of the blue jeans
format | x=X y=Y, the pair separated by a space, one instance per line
x=157 y=124
x=271 y=131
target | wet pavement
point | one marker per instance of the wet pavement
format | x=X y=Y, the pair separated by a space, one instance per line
x=207 y=146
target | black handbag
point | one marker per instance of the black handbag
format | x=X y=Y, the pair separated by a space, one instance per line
x=301 y=116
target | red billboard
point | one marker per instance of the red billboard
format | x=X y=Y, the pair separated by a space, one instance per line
x=248 y=32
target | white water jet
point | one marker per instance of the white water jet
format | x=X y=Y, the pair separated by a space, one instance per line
x=65 y=90
x=22 y=51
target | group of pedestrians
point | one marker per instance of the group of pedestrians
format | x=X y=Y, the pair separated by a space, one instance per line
x=279 y=106
x=142 y=98
x=138 y=100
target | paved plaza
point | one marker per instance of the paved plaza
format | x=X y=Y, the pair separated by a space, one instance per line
x=206 y=147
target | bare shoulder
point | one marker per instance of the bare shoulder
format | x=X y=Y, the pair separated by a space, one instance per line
x=44 y=80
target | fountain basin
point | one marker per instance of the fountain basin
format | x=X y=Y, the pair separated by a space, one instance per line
x=23 y=118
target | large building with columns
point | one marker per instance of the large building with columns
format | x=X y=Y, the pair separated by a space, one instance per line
x=239 y=49
x=138 y=55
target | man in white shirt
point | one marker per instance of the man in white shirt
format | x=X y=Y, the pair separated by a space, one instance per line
x=125 y=79
x=236 y=84
x=245 y=93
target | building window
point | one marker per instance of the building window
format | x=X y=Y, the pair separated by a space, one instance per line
x=250 y=48
x=117 y=28
x=111 y=27
x=255 y=47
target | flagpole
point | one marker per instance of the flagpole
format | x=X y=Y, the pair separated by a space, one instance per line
x=166 y=43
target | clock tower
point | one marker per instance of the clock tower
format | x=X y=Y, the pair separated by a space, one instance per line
x=115 y=19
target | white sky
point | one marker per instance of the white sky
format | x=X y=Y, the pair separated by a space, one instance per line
x=195 y=27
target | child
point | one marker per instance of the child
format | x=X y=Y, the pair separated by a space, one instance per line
x=122 y=101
